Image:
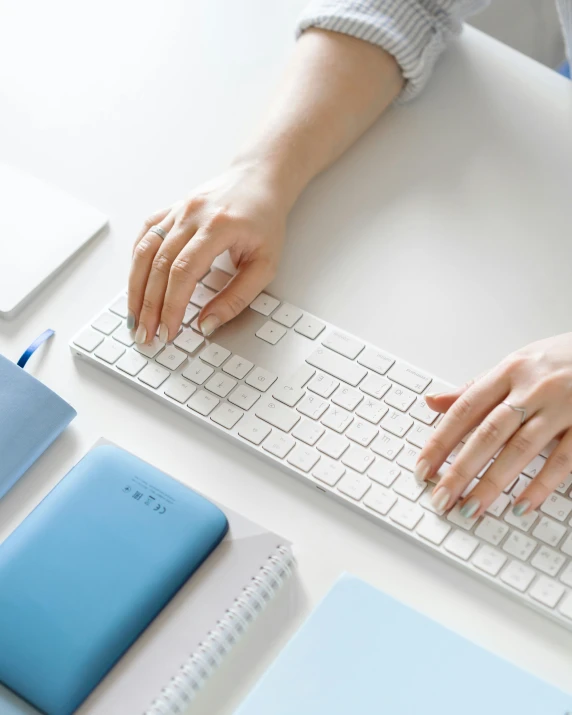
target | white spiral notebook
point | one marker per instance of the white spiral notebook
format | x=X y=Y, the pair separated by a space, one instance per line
x=163 y=671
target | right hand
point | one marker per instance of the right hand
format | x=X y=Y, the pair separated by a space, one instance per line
x=240 y=211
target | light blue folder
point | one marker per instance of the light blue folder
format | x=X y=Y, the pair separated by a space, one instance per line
x=363 y=652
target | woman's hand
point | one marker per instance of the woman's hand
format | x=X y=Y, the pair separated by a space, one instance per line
x=537 y=378
x=240 y=211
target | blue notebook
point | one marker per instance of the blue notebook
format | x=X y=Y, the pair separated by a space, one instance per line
x=363 y=652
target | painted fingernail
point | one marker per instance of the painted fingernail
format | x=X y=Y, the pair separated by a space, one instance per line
x=130 y=320
x=422 y=470
x=521 y=507
x=440 y=498
x=470 y=508
x=141 y=335
x=163 y=333
x=209 y=325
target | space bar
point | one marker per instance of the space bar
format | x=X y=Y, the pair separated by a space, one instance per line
x=338 y=366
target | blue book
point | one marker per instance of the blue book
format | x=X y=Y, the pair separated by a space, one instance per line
x=363 y=652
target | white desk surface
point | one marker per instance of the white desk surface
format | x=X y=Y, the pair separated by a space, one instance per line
x=444 y=236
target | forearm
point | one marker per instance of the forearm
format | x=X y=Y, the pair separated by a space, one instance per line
x=335 y=87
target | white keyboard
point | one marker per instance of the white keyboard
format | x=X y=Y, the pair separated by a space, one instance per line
x=347 y=418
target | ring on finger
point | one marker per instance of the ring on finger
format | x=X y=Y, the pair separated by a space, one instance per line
x=521 y=410
x=159 y=231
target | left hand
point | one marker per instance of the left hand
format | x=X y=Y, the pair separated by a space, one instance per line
x=537 y=378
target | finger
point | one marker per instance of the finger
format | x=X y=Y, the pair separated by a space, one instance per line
x=192 y=263
x=556 y=469
x=467 y=412
x=239 y=292
x=494 y=431
x=143 y=256
x=149 y=222
x=180 y=236
x=519 y=451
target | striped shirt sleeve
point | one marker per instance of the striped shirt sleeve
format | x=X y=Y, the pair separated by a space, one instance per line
x=415 y=32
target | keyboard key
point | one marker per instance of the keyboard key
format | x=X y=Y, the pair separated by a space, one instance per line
x=566 y=547
x=124 y=336
x=407 y=486
x=308 y=431
x=198 y=372
x=548 y=561
x=433 y=529
x=119 y=306
x=461 y=544
x=375 y=386
x=409 y=377
x=278 y=444
x=299 y=378
x=214 y=354
x=334 y=445
x=109 y=351
x=426 y=502
x=521 y=522
x=323 y=385
x=216 y=280
x=271 y=332
x=532 y=469
x=264 y=304
x=408 y=458
x=400 y=398
x=287 y=315
x=88 y=339
x=302 y=457
x=354 y=485
x=226 y=415
x=179 y=389
x=254 y=430
x=419 y=435
x=546 y=591
x=379 y=499
x=499 y=505
x=202 y=295
x=287 y=394
x=276 y=414
x=152 y=349
x=153 y=375
x=361 y=432
x=455 y=517
x=191 y=312
x=313 y=406
x=517 y=575
x=328 y=471
x=489 y=560
x=343 y=344
x=337 y=418
x=387 y=445
x=309 y=327
x=347 y=397
x=491 y=530
x=336 y=365
x=189 y=341
x=406 y=514
x=106 y=323
x=357 y=458
x=420 y=411
x=376 y=360
x=519 y=545
x=371 y=410
x=521 y=484
x=549 y=531
x=565 y=607
x=203 y=403
x=220 y=384
x=260 y=379
x=566 y=575
x=555 y=506
x=397 y=423
x=244 y=397
x=383 y=472
x=131 y=363
x=238 y=367
x=171 y=357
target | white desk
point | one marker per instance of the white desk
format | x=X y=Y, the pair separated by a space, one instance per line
x=450 y=221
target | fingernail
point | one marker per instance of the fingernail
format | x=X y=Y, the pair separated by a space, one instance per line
x=470 y=508
x=422 y=470
x=163 y=333
x=521 y=507
x=440 y=498
x=209 y=325
x=130 y=320
x=141 y=335
x=434 y=395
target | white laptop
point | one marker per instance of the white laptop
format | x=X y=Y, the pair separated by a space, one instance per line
x=41 y=228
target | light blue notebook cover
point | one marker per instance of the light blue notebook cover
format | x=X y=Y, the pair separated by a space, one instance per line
x=363 y=652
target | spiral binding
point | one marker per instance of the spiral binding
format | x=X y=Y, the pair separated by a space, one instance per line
x=181 y=690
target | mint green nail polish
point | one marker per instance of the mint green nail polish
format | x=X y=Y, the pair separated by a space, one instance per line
x=130 y=321
x=520 y=508
x=470 y=508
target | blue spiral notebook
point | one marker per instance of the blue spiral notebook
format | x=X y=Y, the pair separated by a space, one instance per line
x=363 y=652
